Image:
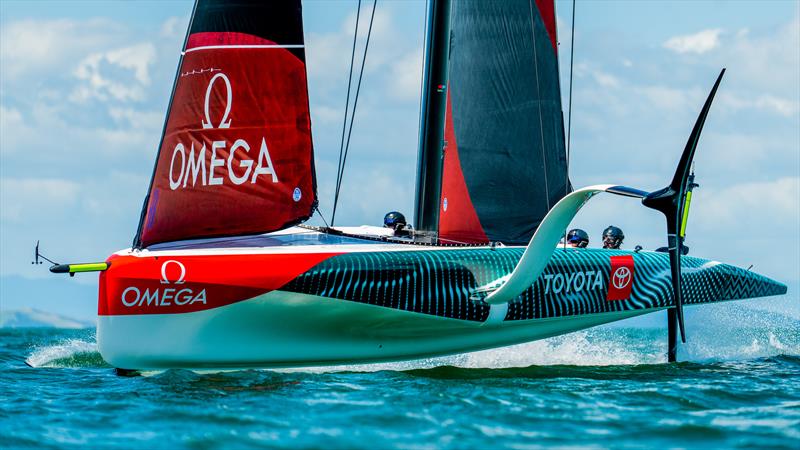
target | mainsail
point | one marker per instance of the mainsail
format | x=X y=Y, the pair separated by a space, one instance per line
x=236 y=154
x=502 y=154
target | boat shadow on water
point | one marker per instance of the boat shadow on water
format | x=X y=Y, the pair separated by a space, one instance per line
x=640 y=372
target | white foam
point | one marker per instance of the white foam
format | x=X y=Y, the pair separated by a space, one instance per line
x=724 y=332
x=45 y=356
x=583 y=348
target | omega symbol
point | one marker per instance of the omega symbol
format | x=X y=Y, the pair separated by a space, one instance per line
x=222 y=123
x=165 y=280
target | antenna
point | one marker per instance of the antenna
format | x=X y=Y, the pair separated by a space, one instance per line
x=37 y=255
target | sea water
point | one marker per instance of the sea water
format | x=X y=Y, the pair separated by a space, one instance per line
x=738 y=386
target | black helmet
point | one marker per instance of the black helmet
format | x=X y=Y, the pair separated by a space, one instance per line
x=612 y=237
x=578 y=238
x=394 y=220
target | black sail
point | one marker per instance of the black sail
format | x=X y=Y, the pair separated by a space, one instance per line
x=504 y=158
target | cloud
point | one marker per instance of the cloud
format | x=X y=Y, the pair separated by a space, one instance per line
x=699 y=43
x=670 y=98
x=76 y=80
x=764 y=61
x=605 y=79
x=128 y=74
x=25 y=198
x=768 y=206
x=763 y=102
x=324 y=114
x=113 y=135
x=329 y=53
x=134 y=119
x=406 y=76
x=392 y=58
x=781 y=106
x=174 y=27
x=11 y=121
x=34 y=47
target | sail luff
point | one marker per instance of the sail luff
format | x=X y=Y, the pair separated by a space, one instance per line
x=137 y=239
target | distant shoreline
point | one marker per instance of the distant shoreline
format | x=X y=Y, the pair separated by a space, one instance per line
x=35 y=318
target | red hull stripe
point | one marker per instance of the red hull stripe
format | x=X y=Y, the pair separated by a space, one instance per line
x=547 y=9
x=458 y=220
x=183 y=284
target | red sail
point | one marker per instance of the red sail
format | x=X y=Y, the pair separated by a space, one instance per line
x=458 y=221
x=236 y=156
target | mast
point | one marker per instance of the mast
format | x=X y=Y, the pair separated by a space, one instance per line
x=432 y=117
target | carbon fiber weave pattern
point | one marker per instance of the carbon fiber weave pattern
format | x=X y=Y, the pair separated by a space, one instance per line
x=575 y=282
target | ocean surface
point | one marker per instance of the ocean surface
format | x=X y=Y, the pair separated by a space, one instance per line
x=738 y=386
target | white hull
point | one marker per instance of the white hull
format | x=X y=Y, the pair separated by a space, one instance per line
x=281 y=329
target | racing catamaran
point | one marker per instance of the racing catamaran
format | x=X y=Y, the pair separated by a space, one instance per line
x=222 y=273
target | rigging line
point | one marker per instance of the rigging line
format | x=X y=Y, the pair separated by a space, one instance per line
x=322 y=216
x=346 y=107
x=569 y=113
x=353 y=112
x=539 y=94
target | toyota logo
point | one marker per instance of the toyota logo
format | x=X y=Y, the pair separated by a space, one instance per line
x=621 y=278
x=181 y=276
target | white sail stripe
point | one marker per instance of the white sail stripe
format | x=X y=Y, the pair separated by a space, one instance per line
x=217 y=47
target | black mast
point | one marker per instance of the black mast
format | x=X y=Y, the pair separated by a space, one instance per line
x=432 y=117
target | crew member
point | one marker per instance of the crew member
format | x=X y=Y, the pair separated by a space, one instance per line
x=612 y=237
x=577 y=238
x=397 y=222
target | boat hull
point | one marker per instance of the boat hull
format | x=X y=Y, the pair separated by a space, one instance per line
x=282 y=329
x=358 y=304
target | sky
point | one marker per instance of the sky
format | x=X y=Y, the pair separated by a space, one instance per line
x=84 y=88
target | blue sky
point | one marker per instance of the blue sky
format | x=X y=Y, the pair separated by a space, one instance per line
x=84 y=88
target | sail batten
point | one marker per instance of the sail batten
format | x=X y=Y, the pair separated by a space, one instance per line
x=236 y=157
